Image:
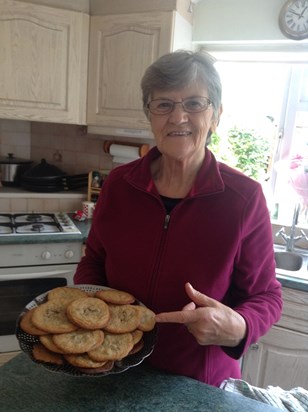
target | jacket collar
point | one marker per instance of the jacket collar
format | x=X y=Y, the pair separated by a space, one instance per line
x=208 y=180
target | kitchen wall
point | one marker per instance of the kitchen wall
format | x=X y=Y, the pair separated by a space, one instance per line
x=69 y=147
x=238 y=20
x=15 y=137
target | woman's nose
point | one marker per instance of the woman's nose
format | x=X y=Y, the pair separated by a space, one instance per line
x=178 y=114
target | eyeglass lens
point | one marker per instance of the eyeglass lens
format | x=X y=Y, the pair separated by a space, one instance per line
x=190 y=105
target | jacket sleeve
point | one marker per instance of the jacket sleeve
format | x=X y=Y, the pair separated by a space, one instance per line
x=255 y=291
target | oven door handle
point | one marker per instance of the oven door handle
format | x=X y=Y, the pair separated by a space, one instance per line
x=44 y=274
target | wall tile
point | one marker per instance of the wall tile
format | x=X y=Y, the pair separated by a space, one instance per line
x=5 y=206
x=18 y=205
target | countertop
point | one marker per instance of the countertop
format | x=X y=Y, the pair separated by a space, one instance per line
x=84 y=228
x=25 y=386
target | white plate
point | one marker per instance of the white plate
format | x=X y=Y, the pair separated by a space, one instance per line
x=27 y=341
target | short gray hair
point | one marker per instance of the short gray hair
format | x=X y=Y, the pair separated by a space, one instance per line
x=179 y=69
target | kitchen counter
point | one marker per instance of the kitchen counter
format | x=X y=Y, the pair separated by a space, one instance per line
x=84 y=228
x=25 y=386
x=293 y=282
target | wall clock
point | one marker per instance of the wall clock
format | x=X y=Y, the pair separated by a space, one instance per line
x=293 y=19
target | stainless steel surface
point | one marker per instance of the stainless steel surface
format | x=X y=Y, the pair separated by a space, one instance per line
x=291 y=239
x=288 y=261
x=291 y=264
x=36 y=224
x=12 y=169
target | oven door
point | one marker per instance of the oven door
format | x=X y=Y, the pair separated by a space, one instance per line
x=20 y=285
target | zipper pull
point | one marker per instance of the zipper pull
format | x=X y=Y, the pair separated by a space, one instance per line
x=167 y=220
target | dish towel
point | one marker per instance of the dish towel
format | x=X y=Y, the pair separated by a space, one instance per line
x=294 y=400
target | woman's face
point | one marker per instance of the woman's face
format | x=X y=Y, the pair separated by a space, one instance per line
x=179 y=134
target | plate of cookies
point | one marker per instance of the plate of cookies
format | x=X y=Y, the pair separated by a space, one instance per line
x=86 y=330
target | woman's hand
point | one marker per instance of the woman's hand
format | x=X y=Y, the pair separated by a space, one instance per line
x=209 y=321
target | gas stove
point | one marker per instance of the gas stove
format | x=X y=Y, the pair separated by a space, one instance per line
x=36 y=224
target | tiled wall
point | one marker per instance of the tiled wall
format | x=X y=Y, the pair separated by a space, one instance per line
x=15 y=137
x=69 y=147
x=39 y=204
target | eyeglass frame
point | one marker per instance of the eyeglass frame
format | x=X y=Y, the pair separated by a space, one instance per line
x=209 y=104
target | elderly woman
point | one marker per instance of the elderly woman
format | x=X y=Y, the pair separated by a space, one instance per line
x=188 y=236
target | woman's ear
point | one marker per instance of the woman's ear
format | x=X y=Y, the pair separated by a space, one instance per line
x=215 y=121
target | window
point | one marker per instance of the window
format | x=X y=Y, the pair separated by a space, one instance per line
x=266 y=100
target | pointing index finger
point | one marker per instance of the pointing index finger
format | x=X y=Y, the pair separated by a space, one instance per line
x=182 y=316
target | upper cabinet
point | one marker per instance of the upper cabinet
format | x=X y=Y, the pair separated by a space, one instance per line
x=121 y=48
x=43 y=63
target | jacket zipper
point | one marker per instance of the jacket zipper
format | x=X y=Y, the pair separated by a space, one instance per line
x=158 y=259
x=166 y=222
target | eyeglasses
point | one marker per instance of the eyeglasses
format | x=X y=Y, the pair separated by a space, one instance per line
x=190 y=105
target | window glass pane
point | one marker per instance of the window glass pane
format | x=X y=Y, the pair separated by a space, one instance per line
x=265 y=104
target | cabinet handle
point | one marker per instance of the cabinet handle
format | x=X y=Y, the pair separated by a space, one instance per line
x=254 y=346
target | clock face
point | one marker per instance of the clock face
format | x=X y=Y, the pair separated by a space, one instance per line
x=293 y=19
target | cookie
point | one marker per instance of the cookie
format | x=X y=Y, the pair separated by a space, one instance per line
x=79 y=341
x=27 y=325
x=123 y=319
x=88 y=313
x=47 y=341
x=146 y=319
x=41 y=353
x=92 y=371
x=136 y=348
x=66 y=293
x=137 y=335
x=83 y=360
x=114 y=347
x=51 y=317
x=117 y=297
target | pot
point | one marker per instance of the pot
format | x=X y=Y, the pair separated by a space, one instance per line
x=43 y=171
x=12 y=168
x=43 y=177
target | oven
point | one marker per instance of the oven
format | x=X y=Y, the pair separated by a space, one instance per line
x=38 y=252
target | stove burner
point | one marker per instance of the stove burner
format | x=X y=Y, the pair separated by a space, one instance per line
x=34 y=218
x=37 y=227
x=4 y=230
x=36 y=224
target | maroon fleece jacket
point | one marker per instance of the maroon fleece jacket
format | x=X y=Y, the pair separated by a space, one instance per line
x=218 y=238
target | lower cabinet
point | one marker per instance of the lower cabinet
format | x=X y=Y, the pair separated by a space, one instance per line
x=280 y=358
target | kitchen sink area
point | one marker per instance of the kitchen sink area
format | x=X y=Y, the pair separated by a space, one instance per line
x=291 y=263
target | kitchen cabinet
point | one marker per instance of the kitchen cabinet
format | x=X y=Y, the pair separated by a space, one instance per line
x=280 y=358
x=43 y=63
x=121 y=48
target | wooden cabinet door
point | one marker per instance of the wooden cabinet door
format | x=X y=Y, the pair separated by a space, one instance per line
x=280 y=359
x=121 y=48
x=43 y=63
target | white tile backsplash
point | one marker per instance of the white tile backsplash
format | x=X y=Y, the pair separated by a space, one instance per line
x=15 y=137
x=68 y=147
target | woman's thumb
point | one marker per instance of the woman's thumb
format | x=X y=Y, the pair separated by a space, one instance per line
x=197 y=297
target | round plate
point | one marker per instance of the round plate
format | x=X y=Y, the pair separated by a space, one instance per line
x=27 y=341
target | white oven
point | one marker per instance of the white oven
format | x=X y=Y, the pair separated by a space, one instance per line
x=29 y=268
